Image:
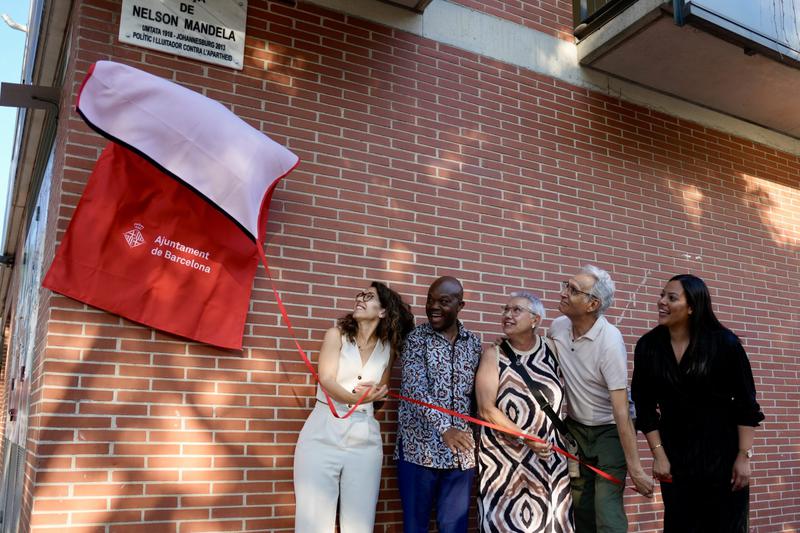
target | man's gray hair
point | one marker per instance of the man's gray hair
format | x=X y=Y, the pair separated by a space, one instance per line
x=603 y=288
x=534 y=304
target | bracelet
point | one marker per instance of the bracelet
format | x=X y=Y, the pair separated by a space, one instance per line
x=657 y=446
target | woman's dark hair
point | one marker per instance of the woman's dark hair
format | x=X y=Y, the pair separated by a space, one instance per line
x=392 y=328
x=704 y=327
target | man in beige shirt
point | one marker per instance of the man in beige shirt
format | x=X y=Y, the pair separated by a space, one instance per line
x=594 y=363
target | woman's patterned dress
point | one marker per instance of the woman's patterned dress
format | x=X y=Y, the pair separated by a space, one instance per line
x=518 y=491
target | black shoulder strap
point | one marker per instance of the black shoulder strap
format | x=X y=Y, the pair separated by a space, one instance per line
x=535 y=389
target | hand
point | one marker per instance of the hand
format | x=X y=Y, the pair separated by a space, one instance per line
x=642 y=483
x=375 y=393
x=542 y=449
x=662 y=470
x=458 y=440
x=741 y=472
x=362 y=387
x=499 y=340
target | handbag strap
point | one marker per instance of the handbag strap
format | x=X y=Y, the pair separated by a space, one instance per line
x=543 y=402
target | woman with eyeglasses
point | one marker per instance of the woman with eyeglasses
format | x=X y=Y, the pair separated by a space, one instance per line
x=696 y=404
x=522 y=484
x=338 y=460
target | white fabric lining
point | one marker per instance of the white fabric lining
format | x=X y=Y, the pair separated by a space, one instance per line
x=193 y=137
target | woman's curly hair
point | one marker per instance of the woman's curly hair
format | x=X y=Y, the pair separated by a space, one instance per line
x=393 y=328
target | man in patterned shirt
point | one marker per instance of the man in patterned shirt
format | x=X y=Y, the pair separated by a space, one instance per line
x=436 y=452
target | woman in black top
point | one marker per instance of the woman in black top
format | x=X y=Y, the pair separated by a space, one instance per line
x=696 y=404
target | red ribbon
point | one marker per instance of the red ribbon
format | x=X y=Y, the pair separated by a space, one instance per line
x=495 y=427
x=477 y=421
x=306 y=360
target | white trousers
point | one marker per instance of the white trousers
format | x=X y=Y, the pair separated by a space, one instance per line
x=337 y=461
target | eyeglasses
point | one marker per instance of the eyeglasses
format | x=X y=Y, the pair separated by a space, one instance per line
x=572 y=291
x=515 y=310
x=365 y=296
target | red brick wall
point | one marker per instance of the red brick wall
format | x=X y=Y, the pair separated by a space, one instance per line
x=418 y=159
x=553 y=17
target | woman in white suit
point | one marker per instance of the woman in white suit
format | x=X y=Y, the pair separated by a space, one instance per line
x=338 y=460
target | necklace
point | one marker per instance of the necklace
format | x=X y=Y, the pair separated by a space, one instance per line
x=533 y=343
x=365 y=351
x=366 y=345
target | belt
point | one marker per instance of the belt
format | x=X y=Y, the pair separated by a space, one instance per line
x=362 y=408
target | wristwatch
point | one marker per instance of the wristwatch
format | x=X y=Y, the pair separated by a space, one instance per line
x=747 y=453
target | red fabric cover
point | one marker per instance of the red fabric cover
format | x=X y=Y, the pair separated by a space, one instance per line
x=108 y=256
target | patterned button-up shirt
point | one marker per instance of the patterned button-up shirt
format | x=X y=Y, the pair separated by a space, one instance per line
x=437 y=372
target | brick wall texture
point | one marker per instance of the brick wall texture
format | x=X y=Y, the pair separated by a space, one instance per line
x=553 y=17
x=418 y=160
